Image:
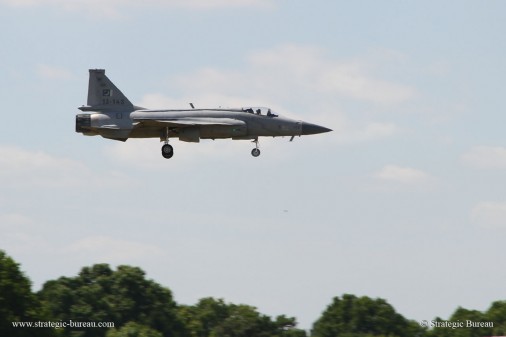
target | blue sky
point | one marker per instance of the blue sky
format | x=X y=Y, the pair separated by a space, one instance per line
x=404 y=200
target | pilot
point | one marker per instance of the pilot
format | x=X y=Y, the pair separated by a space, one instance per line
x=270 y=114
x=259 y=112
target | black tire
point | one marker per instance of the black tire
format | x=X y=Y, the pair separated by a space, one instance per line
x=167 y=151
x=255 y=152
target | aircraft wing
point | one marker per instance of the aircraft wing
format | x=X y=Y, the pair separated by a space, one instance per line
x=188 y=121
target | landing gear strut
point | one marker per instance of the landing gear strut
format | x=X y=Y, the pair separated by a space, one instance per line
x=256 y=151
x=167 y=149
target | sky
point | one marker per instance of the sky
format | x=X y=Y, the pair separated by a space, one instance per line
x=404 y=200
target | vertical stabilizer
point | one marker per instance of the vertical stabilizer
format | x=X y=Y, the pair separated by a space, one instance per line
x=104 y=95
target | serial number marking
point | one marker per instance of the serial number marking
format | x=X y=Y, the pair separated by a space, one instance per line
x=106 y=101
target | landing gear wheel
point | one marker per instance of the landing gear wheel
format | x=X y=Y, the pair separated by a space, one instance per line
x=167 y=151
x=256 y=151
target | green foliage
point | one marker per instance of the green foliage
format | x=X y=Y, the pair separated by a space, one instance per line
x=352 y=316
x=16 y=298
x=214 y=318
x=142 y=308
x=203 y=317
x=462 y=315
x=497 y=314
x=459 y=318
x=132 y=329
x=17 y=302
x=100 y=294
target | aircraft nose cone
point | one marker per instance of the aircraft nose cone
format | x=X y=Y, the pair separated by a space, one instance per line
x=312 y=129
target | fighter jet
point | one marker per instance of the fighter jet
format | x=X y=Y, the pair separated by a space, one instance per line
x=111 y=115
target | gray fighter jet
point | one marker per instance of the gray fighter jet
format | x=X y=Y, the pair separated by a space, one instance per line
x=111 y=115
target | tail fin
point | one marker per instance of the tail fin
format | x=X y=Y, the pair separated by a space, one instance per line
x=104 y=95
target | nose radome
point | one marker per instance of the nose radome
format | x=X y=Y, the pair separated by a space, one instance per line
x=312 y=129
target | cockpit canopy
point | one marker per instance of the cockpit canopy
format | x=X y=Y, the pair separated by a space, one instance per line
x=260 y=111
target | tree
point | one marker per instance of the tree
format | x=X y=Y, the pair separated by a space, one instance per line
x=465 y=315
x=460 y=318
x=100 y=294
x=17 y=302
x=352 y=316
x=497 y=314
x=203 y=317
x=214 y=318
x=132 y=329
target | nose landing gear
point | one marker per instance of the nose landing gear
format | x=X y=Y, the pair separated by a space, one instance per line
x=256 y=151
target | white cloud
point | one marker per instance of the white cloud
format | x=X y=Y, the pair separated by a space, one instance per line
x=117 y=8
x=103 y=248
x=205 y=4
x=53 y=72
x=485 y=157
x=21 y=234
x=23 y=168
x=403 y=175
x=300 y=71
x=351 y=81
x=14 y=219
x=140 y=153
x=300 y=82
x=490 y=214
x=349 y=133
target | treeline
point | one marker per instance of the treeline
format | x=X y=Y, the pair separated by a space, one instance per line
x=142 y=308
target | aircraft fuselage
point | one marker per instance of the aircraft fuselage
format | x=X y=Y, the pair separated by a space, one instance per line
x=119 y=125
x=111 y=115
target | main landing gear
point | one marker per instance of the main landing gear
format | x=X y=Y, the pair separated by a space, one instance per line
x=256 y=151
x=167 y=149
